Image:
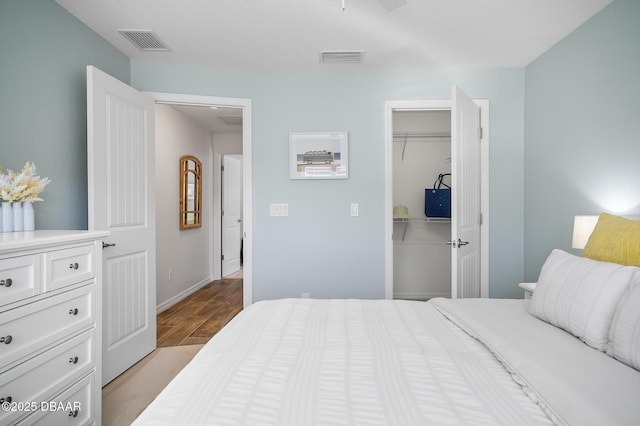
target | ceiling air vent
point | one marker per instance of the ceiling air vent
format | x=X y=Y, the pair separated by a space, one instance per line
x=341 y=57
x=145 y=40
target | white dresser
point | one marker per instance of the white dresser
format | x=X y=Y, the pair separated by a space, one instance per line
x=50 y=327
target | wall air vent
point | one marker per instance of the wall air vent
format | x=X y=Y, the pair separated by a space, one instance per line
x=145 y=40
x=341 y=56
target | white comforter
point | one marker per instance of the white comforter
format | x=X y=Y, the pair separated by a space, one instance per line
x=343 y=362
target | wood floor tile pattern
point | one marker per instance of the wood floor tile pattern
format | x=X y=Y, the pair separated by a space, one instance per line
x=196 y=318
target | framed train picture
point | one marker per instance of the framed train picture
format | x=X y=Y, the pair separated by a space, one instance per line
x=316 y=155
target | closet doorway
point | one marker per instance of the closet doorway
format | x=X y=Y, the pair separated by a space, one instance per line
x=421 y=153
x=430 y=257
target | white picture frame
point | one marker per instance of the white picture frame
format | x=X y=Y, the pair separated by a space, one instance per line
x=318 y=155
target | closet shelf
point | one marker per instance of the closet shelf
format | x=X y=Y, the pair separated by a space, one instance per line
x=417 y=219
x=424 y=219
x=434 y=243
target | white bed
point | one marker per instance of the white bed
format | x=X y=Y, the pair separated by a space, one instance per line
x=568 y=356
x=390 y=362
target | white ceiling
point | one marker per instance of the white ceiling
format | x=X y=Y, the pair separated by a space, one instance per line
x=289 y=34
x=218 y=120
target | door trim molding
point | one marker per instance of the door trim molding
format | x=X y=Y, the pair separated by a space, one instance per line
x=389 y=107
x=247 y=181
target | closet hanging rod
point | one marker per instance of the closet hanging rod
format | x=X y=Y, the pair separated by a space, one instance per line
x=405 y=136
x=420 y=135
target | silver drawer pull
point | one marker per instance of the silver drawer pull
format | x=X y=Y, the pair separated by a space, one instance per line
x=73 y=360
x=73 y=311
x=105 y=245
x=73 y=413
x=74 y=266
x=6 y=339
x=6 y=283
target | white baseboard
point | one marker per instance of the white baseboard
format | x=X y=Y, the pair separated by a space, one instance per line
x=178 y=297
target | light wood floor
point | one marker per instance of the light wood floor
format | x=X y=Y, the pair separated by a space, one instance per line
x=131 y=392
x=196 y=318
x=182 y=330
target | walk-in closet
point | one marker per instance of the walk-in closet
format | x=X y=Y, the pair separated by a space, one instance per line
x=421 y=256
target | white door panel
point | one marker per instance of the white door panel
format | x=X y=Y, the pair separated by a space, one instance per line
x=465 y=198
x=121 y=200
x=232 y=213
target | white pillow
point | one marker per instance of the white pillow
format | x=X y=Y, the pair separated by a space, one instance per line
x=580 y=295
x=624 y=337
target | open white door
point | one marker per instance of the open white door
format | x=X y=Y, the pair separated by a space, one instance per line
x=120 y=151
x=465 y=196
x=231 y=213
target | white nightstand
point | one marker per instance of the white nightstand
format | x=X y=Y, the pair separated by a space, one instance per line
x=528 y=288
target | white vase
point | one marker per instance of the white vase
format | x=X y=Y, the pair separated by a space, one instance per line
x=7 y=217
x=18 y=216
x=29 y=216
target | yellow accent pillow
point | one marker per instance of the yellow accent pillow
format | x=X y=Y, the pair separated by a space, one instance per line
x=614 y=239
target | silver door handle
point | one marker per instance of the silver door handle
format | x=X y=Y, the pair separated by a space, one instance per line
x=105 y=245
x=458 y=243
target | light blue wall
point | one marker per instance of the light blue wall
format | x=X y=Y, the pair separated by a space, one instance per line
x=43 y=54
x=319 y=249
x=582 y=143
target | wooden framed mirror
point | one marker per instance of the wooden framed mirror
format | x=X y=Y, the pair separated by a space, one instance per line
x=190 y=192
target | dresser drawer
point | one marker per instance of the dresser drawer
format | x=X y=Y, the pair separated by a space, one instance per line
x=68 y=266
x=19 y=278
x=30 y=327
x=75 y=406
x=45 y=375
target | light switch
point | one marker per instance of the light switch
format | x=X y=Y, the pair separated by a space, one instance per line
x=279 y=209
x=355 y=209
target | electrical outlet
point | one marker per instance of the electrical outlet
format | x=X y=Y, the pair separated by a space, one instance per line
x=170 y=274
x=355 y=209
